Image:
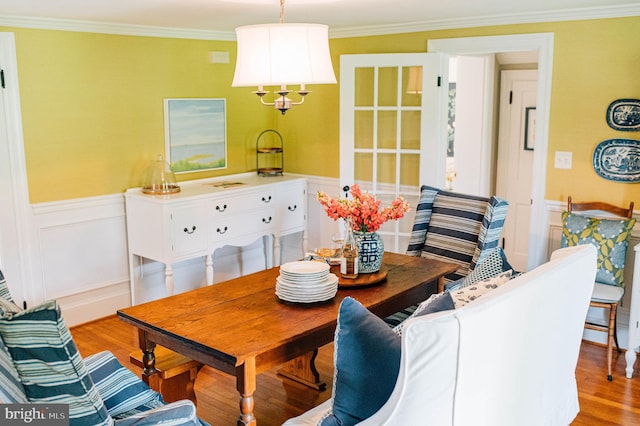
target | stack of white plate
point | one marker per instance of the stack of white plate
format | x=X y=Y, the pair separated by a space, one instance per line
x=306 y=282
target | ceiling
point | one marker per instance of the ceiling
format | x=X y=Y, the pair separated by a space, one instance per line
x=365 y=16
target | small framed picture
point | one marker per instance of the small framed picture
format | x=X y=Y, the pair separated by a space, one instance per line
x=529 y=128
x=195 y=134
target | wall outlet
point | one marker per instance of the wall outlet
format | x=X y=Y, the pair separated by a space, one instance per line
x=563 y=160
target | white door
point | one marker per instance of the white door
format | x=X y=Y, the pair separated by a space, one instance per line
x=393 y=129
x=516 y=144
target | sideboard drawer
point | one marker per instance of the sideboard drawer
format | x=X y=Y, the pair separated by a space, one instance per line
x=233 y=205
x=291 y=207
x=260 y=222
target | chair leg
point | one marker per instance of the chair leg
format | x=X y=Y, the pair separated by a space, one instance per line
x=612 y=320
x=615 y=332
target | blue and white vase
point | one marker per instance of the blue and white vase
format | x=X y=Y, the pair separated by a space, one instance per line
x=370 y=251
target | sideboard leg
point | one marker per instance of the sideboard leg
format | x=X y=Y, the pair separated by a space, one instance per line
x=277 y=247
x=208 y=262
x=305 y=242
x=168 y=279
x=132 y=277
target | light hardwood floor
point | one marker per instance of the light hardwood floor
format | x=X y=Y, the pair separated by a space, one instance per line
x=601 y=402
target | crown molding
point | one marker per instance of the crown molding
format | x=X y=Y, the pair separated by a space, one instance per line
x=112 y=28
x=418 y=26
x=493 y=20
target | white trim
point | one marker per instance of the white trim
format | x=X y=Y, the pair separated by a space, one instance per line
x=113 y=28
x=19 y=182
x=484 y=21
x=543 y=43
x=578 y=14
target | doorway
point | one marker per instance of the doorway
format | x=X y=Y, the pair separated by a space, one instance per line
x=516 y=144
x=543 y=45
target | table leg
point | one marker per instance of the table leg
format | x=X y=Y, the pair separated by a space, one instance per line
x=246 y=385
x=149 y=372
x=440 y=284
x=630 y=357
x=303 y=370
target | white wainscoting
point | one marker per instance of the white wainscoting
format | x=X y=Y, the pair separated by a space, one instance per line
x=81 y=256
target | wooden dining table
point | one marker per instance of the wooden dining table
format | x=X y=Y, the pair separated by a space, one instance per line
x=240 y=326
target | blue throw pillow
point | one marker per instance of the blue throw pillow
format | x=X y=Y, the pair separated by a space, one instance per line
x=442 y=303
x=491 y=266
x=436 y=303
x=367 y=362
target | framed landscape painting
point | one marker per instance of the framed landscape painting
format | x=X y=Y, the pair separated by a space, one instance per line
x=195 y=134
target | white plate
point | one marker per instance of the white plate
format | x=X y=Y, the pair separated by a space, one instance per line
x=329 y=280
x=304 y=267
x=303 y=281
x=306 y=296
x=330 y=294
x=307 y=290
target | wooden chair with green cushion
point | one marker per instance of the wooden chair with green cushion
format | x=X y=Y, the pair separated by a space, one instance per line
x=610 y=236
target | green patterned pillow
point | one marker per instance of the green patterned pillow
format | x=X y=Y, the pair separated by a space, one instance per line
x=49 y=364
x=609 y=236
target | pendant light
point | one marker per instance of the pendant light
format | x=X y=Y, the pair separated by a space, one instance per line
x=283 y=55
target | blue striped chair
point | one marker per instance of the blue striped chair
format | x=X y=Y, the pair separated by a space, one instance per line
x=454 y=227
x=40 y=364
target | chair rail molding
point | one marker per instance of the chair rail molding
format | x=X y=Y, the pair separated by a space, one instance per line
x=80 y=253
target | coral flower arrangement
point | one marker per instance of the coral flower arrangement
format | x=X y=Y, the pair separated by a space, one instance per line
x=362 y=210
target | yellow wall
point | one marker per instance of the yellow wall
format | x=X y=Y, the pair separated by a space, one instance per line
x=93 y=115
x=595 y=62
x=93 y=112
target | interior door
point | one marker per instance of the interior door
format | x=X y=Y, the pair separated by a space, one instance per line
x=516 y=144
x=393 y=117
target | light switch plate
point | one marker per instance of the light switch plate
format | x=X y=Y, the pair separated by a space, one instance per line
x=563 y=160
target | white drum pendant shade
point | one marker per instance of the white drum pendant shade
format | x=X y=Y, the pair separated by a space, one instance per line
x=283 y=54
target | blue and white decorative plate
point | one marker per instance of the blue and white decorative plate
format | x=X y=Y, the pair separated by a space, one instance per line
x=618 y=160
x=624 y=114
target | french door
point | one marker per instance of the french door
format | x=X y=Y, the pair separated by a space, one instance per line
x=393 y=130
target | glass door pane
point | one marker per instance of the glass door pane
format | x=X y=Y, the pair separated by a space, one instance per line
x=382 y=124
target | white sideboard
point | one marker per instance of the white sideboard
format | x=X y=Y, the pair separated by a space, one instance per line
x=210 y=213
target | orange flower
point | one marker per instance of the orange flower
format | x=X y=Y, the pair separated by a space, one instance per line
x=362 y=210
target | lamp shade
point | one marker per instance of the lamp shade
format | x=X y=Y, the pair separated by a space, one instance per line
x=281 y=54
